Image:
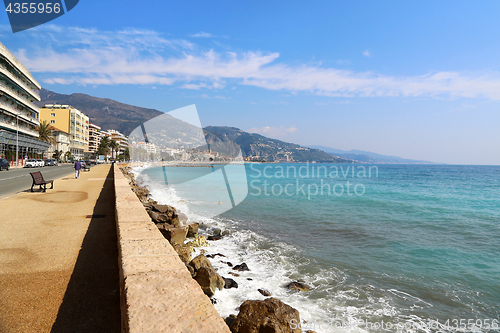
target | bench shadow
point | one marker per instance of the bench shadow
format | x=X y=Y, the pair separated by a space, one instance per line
x=35 y=190
x=92 y=300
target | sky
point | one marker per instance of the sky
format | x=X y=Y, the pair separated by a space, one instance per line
x=415 y=79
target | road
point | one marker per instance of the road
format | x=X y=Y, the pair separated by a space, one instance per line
x=16 y=180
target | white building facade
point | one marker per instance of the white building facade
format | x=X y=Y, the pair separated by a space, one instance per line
x=19 y=117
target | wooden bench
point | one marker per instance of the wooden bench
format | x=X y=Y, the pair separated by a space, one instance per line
x=38 y=180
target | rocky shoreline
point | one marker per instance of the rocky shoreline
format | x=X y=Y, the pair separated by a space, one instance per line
x=269 y=315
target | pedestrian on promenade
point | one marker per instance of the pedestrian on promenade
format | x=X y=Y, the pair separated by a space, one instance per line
x=78 y=167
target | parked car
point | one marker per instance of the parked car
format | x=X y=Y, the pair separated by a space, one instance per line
x=4 y=164
x=31 y=163
x=51 y=162
x=41 y=163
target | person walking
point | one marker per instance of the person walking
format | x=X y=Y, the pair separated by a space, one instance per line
x=78 y=167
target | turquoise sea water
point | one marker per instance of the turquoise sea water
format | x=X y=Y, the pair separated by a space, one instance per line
x=381 y=244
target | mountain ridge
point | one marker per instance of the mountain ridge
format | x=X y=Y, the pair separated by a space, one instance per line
x=104 y=112
x=256 y=146
x=369 y=157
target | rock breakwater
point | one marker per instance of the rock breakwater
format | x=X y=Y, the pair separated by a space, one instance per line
x=270 y=315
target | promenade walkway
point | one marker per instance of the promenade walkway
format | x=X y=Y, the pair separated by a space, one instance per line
x=58 y=257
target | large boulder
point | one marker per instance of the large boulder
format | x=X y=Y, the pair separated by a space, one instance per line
x=299 y=286
x=199 y=241
x=193 y=230
x=190 y=269
x=229 y=283
x=241 y=267
x=209 y=280
x=175 y=235
x=164 y=209
x=142 y=193
x=268 y=316
x=214 y=237
x=169 y=212
x=229 y=320
x=167 y=226
x=184 y=252
x=163 y=218
x=199 y=262
x=148 y=206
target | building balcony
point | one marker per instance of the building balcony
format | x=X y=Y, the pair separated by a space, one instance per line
x=20 y=97
x=22 y=115
x=11 y=126
x=14 y=78
x=20 y=67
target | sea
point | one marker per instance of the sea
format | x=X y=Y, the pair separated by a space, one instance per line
x=383 y=248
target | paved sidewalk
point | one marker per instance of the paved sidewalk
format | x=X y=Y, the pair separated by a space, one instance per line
x=58 y=257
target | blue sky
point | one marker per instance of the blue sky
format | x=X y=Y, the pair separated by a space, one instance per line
x=416 y=79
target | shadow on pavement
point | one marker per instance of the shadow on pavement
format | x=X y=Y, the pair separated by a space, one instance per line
x=92 y=300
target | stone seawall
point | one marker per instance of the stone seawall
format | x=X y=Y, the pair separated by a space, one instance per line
x=158 y=293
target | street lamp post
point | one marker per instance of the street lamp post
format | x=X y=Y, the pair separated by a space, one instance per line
x=53 y=149
x=17 y=140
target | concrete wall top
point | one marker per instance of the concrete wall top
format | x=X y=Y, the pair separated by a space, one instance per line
x=158 y=293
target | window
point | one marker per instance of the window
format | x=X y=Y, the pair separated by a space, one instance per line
x=52 y=114
x=52 y=121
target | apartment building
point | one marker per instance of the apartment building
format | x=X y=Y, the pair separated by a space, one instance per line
x=94 y=138
x=19 y=117
x=120 y=138
x=61 y=142
x=72 y=121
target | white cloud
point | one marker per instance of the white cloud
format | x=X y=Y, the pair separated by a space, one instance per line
x=132 y=56
x=272 y=131
x=367 y=54
x=214 y=85
x=194 y=86
x=343 y=62
x=217 y=97
x=202 y=34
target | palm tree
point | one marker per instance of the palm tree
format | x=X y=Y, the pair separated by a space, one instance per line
x=114 y=146
x=126 y=154
x=57 y=155
x=45 y=132
x=103 y=146
x=68 y=156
